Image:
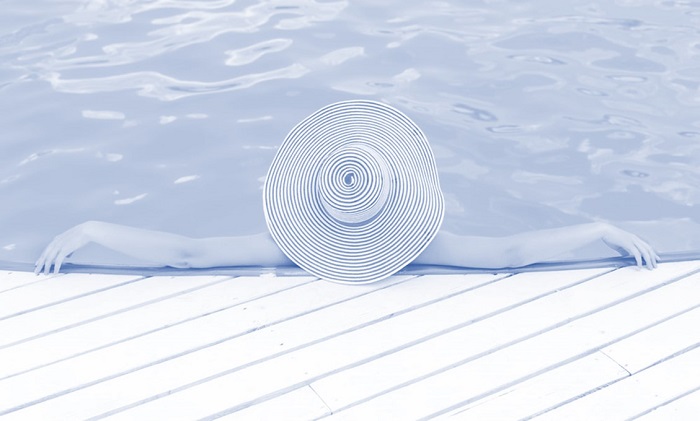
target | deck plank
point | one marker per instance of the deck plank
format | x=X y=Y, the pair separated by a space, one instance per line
x=546 y=390
x=44 y=385
x=55 y=291
x=634 y=353
x=269 y=341
x=10 y=280
x=473 y=338
x=537 y=338
x=661 y=341
x=100 y=334
x=244 y=387
x=635 y=394
x=300 y=404
x=102 y=304
x=686 y=407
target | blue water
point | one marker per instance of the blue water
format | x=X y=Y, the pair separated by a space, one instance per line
x=166 y=114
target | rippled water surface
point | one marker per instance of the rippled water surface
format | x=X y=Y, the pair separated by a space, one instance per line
x=165 y=114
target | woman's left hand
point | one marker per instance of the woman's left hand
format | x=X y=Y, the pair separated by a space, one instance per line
x=627 y=243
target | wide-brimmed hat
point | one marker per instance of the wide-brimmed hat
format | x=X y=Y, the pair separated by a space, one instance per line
x=353 y=194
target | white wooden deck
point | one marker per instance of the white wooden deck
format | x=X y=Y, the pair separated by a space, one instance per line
x=591 y=344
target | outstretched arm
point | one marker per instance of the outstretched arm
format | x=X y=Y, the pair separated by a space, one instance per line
x=163 y=248
x=447 y=249
x=532 y=247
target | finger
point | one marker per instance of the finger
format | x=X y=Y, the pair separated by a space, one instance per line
x=637 y=256
x=651 y=256
x=647 y=258
x=39 y=265
x=47 y=268
x=47 y=264
x=643 y=253
x=51 y=257
x=36 y=265
x=655 y=257
x=43 y=260
x=57 y=264
x=59 y=261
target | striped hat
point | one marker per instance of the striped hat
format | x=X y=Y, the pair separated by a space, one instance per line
x=353 y=195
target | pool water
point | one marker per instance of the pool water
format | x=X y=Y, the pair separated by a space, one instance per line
x=166 y=114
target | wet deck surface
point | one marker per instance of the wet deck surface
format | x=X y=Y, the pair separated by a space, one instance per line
x=579 y=344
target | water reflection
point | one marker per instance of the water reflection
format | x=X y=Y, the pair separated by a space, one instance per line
x=541 y=113
x=166 y=88
x=249 y=54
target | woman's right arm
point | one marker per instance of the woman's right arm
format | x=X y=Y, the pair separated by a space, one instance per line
x=532 y=247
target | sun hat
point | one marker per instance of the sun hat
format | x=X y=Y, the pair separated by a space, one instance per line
x=353 y=195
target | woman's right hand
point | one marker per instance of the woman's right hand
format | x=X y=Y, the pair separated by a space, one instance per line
x=62 y=247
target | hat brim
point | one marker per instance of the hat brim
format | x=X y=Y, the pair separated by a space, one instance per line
x=352 y=194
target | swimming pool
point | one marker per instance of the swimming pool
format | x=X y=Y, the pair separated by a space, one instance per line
x=166 y=114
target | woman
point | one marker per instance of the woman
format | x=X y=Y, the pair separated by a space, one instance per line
x=351 y=195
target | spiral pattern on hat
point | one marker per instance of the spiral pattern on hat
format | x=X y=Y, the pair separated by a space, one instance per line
x=353 y=194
